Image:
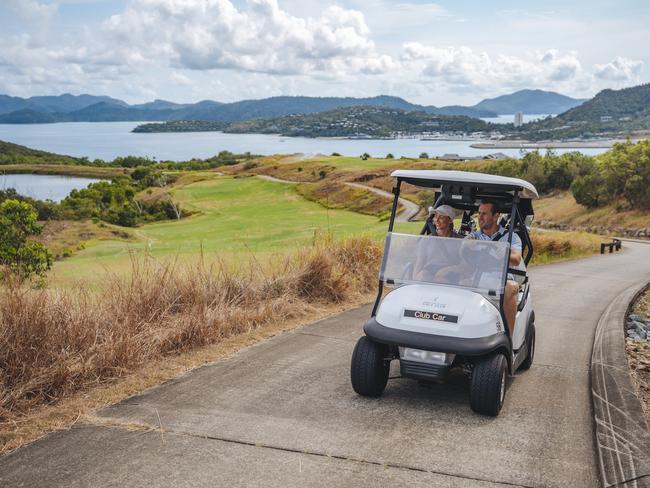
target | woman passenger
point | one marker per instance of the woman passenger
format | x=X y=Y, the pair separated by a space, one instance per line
x=431 y=258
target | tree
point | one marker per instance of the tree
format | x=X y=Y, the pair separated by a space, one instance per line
x=588 y=190
x=424 y=155
x=17 y=254
x=390 y=156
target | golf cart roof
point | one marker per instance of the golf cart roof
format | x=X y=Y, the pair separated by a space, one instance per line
x=433 y=178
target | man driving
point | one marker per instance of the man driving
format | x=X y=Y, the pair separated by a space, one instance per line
x=490 y=230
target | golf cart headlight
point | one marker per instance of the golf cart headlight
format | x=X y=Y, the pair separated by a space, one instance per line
x=421 y=356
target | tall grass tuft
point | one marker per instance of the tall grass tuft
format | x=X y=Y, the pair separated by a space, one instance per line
x=57 y=342
x=552 y=246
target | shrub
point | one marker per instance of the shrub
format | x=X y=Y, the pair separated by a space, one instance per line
x=18 y=255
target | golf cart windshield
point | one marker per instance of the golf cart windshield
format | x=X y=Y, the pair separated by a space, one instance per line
x=468 y=263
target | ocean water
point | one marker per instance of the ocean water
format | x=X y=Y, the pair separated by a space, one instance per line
x=107 y=140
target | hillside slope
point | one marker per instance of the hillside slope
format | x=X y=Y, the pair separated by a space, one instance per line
x=529 y=102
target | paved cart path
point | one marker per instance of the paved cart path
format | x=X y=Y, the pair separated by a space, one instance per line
x=282 y=413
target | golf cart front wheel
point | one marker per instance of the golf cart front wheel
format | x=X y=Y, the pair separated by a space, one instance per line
x=488 y=386
x=528 y=362
x=369 y=368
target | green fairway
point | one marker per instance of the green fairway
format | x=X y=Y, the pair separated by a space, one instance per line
x=235 y=217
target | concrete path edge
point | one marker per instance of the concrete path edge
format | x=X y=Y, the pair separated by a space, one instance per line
x=621 y=433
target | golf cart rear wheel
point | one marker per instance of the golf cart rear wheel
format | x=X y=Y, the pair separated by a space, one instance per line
x=369 y=368
x=488 y=387
x=528 y=362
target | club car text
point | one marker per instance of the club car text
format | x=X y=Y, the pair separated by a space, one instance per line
x=419 y=314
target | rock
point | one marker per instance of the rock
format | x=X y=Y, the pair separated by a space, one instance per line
x=635 y=318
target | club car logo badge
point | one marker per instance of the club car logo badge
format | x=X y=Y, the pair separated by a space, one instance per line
x=420 y=314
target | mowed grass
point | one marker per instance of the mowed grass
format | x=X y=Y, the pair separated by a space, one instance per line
x=235 y=218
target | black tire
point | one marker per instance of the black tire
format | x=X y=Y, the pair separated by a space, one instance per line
x=528 y=362
x=369 y=368
x=488 y=387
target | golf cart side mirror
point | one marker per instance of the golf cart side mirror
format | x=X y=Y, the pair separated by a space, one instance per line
x=529 y=220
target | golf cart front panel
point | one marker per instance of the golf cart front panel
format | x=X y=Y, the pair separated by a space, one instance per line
x=432 y=309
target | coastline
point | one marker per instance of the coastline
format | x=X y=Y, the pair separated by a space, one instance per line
x=514 y=144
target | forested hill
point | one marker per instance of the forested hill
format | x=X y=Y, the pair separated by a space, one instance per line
x=85 y=108
x=611 y=113
x=53 y=104
x=529 y=102
x=16 y=154
x=360 y=122
x=629 y=102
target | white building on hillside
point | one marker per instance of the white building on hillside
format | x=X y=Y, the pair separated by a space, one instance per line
x=519 y=119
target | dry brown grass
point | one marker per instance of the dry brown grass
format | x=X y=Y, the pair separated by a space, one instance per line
x=335 y=194
x=562 y=208
x=54 y=343
x=552 y=246
x=82 y=405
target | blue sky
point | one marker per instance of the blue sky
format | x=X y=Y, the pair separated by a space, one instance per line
x=435 y=53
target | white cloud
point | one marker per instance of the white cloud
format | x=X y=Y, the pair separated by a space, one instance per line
x=465 y=68
x=214 y=34
x=180 y=79
x=560 y=67
x=220 y=49
x=620 y=70
x=32 y=12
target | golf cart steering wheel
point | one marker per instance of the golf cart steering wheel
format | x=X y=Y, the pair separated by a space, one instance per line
x=473 y=251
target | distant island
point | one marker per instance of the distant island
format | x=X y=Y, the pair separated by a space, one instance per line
x=609 y=115
x=182 y=126
x=351 y=122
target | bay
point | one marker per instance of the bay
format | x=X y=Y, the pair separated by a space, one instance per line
x=108 y=140
x=44 y=187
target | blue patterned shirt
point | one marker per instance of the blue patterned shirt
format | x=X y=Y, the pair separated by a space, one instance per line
x=516 y=240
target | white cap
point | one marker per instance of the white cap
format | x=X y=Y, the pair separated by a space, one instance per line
x=445 y=210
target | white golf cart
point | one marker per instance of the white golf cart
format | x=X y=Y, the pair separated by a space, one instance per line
x=448 y=312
